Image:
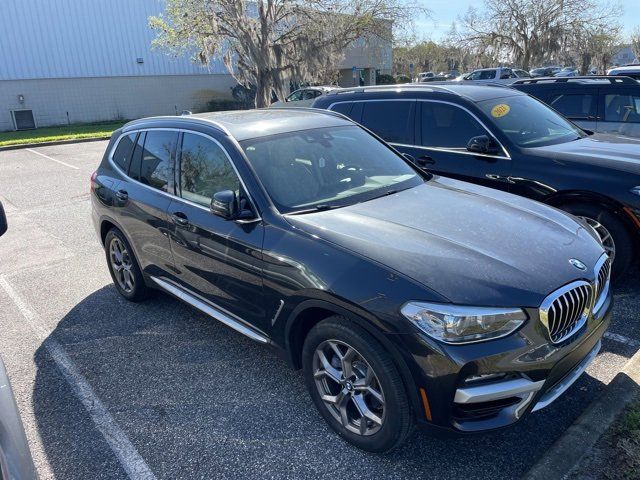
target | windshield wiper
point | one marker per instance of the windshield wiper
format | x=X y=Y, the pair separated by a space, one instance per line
x=318 y=208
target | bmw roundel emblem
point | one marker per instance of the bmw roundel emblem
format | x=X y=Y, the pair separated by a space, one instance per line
x=578 y=264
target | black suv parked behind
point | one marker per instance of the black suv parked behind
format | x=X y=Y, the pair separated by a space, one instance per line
x=405 y=298
x=501 y=138
x=600 y=104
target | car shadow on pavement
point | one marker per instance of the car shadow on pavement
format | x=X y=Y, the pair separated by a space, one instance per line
x=198 y=400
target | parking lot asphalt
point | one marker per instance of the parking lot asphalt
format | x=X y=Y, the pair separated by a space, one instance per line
x=110 y=389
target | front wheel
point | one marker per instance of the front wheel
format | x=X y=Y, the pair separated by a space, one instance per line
x=356 y=386
x=613 y=234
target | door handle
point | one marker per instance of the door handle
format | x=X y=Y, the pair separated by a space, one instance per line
x=122 y=195
x=425 y=160
x=180 y=219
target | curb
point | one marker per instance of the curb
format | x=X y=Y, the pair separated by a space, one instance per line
x=59 y=142
x=578 y=440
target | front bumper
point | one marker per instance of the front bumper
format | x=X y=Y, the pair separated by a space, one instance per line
x=489 y=385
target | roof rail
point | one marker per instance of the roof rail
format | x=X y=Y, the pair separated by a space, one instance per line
x=581 y=79
x=332 y=113
x=382 y=88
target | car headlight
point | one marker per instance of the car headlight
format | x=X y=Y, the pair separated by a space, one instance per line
x=636 y=190
x=461 y=324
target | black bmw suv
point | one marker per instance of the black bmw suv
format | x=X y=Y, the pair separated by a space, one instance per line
x=406 y=298
x=504 y=139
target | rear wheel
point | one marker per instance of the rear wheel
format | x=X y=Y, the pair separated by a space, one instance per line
x=613 y=234
x=123 y=267
x=356 y=386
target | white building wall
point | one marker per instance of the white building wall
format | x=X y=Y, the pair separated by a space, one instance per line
x=109 y=98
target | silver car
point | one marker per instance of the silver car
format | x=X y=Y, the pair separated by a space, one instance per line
x=303 y=97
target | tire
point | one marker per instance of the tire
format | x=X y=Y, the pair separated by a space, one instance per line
x=622 y=241
x=128 y=280
x=384 y=399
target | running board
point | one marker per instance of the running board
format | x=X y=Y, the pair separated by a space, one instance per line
x=210 y=310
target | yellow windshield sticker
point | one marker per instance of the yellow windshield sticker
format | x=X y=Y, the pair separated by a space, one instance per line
x=500 y=110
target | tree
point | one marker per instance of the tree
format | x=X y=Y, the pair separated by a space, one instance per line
x=529 y=32
x=271 y=43
x=635 y=42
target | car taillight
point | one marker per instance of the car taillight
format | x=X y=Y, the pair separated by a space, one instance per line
x=93 y=181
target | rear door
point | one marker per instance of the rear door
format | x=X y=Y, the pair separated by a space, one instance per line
x=393 y=120
x=579 y=106
x=620 y=111
x=217 y=259
x=144 y=194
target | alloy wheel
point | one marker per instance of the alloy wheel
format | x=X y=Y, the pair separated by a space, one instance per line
x=349 y=387
x=605 y=237
x=122 y=264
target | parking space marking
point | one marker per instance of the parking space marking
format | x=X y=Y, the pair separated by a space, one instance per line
x=52 y=159
x=125 y=452
x=622 y=339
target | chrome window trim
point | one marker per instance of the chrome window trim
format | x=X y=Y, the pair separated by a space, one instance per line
x=176 y=197
x=442 y=149
x=450 y=150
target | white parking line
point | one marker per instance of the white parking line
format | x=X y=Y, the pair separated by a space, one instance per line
x=120 y=444
x=52 y=159
x=622 y=339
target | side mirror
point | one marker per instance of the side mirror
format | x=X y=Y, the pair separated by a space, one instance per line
x=3 y=221
x=224 y=204
x=483 y=144
x=410 y=157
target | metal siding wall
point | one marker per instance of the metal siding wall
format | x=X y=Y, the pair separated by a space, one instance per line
x=109 y=98
x=84 y=38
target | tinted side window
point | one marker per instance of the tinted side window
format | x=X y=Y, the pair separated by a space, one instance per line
x=122 y=154
x=155 y=168
x=575 y=105
x=308 y=95
x=622 y=108
x=392 y=120
x=448 y=126
x=344 y=108
x=204 y=170
x=488 y=74
x=295 y=96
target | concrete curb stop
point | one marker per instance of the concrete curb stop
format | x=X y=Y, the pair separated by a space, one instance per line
x=59 y=142
x=578 y=440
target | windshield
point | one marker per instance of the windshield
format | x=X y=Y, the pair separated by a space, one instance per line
x=326 y=167
x=528 y=122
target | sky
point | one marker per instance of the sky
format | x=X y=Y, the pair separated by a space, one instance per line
x=443 y=12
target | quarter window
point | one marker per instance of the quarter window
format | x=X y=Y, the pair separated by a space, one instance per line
x=622 y=108
x=448 y=126
x=204 y=170
x=155 y=167
x=122 y=154
x=577 y=106
x=393 y=121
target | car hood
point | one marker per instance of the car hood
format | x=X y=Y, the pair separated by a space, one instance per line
x=470 y=244
x=610 y=151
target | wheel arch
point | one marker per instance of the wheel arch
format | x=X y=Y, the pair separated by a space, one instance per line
x=309 y=313
x=569 y=197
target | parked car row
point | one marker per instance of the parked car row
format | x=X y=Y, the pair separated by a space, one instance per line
x=409 y=293
x=501 y=138
x=606 y=104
